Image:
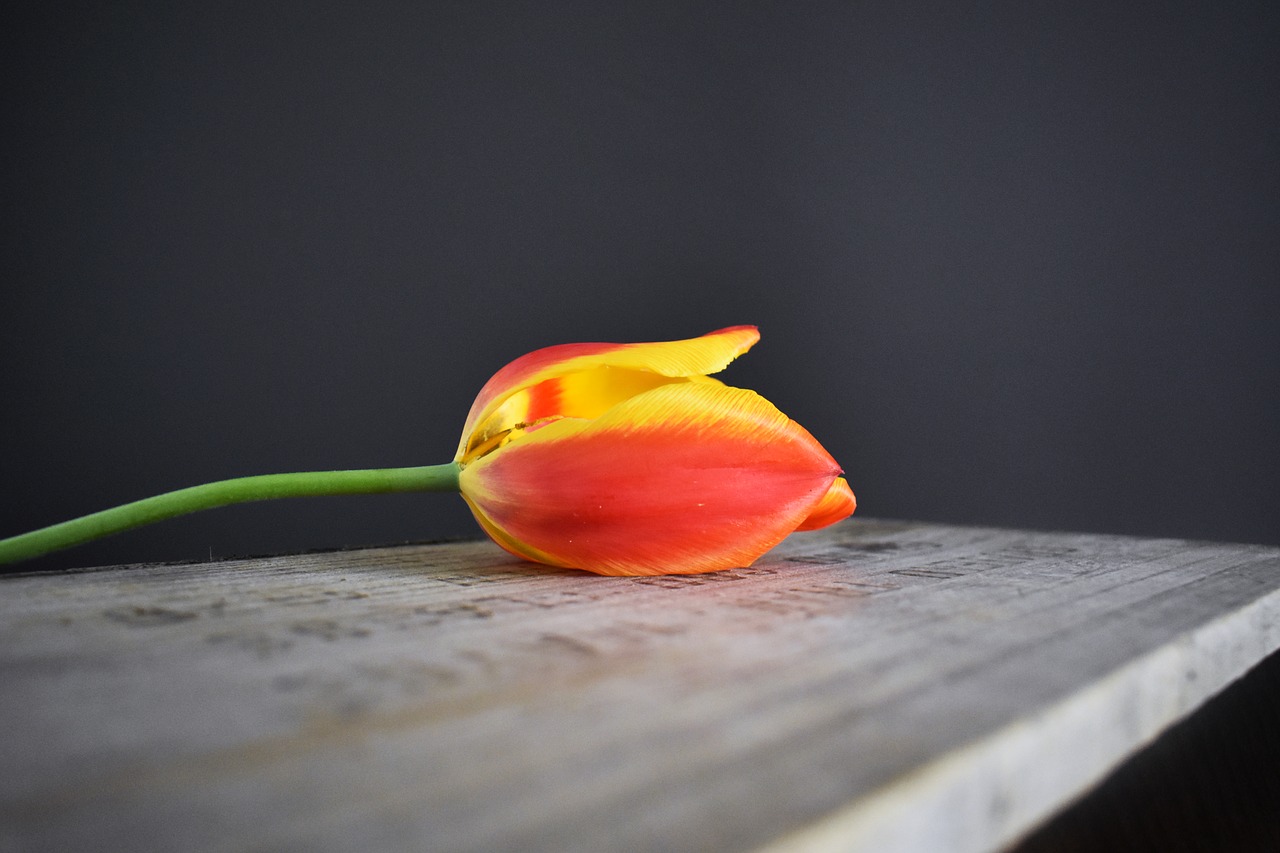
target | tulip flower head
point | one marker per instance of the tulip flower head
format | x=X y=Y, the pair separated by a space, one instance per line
x=629 y=459
x=621 y=459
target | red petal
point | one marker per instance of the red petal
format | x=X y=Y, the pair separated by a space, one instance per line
x=685 y=478
x=836 y=505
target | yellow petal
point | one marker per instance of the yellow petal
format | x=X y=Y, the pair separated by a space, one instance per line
x=611 y=373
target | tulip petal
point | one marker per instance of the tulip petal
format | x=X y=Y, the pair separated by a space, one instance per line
x=501 y=403
x=684 y=478
x=836 y=505
x=584 y=394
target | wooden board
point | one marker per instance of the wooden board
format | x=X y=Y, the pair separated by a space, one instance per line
x=878 y=686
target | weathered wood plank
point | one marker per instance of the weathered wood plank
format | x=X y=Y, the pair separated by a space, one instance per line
x=879 y=686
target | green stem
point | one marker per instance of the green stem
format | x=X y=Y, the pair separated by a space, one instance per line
x=428 y=478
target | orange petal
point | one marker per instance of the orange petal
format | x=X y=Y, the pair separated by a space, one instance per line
x=491 y=413
x=685 y=478
x=836 y=505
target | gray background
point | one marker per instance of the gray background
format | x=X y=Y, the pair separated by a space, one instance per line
x=1016 y=266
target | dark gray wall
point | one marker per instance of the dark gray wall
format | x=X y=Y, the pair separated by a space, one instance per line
x=1017 y=266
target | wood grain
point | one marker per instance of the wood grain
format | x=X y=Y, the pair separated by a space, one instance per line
x=878 y=686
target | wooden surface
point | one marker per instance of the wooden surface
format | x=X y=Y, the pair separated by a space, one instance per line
x=878 y=686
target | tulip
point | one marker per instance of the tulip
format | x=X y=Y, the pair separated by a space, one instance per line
x=628 y=459
x=621 y=459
